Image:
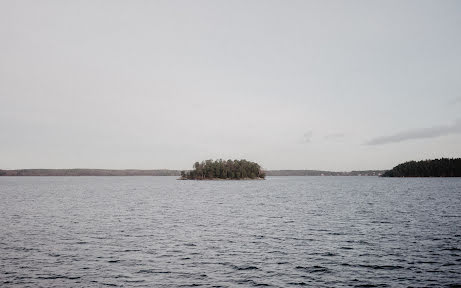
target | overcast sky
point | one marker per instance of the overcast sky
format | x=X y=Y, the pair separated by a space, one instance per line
x=331 y=85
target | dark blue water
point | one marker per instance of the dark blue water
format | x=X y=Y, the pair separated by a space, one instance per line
x=282 y=232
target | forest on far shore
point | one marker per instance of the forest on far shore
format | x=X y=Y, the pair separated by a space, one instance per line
x=444 y=167
x=221 y=169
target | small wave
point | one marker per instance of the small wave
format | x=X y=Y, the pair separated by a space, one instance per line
x=276 y=252
x=24 y=249
x=54 y=254
x=243 y=268
x=52 y=277
x=253 y=283
x=152 y=271
x=426 y=262
x=121 y=276
x=130 y=250
x=282 y=263
x=452 y=249
x=298 y=283
x=313 y=269
x=382 y=267
x=135 y=281
x=113 y=261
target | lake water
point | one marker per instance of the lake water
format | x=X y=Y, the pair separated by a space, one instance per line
x=281 y=232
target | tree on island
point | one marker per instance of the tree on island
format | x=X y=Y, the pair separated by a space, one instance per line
x=444 y=167
x=220 y=169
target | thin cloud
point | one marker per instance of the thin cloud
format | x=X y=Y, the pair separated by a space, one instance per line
x=307 y=137
x=334 y=136
x=455 y=101
x=421 y=133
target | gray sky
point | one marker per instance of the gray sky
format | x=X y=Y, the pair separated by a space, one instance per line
x=332 y=85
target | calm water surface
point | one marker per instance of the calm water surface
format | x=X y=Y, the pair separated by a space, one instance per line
x=282 y=232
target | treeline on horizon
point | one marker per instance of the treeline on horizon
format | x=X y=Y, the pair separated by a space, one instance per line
x=166 y=172
x=221 y=169
x=323 y=173
x=88 y=172
x=444 y=167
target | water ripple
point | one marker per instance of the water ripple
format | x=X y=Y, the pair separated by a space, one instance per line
x=282 y=232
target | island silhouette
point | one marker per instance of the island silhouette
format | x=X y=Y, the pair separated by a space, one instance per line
x=226 y=170
x=444 y=167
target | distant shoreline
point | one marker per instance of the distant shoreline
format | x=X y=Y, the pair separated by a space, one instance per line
x=167 y=172
x=89 y=172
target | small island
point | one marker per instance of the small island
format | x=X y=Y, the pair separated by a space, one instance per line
x=224 y=170
x=444 y=167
